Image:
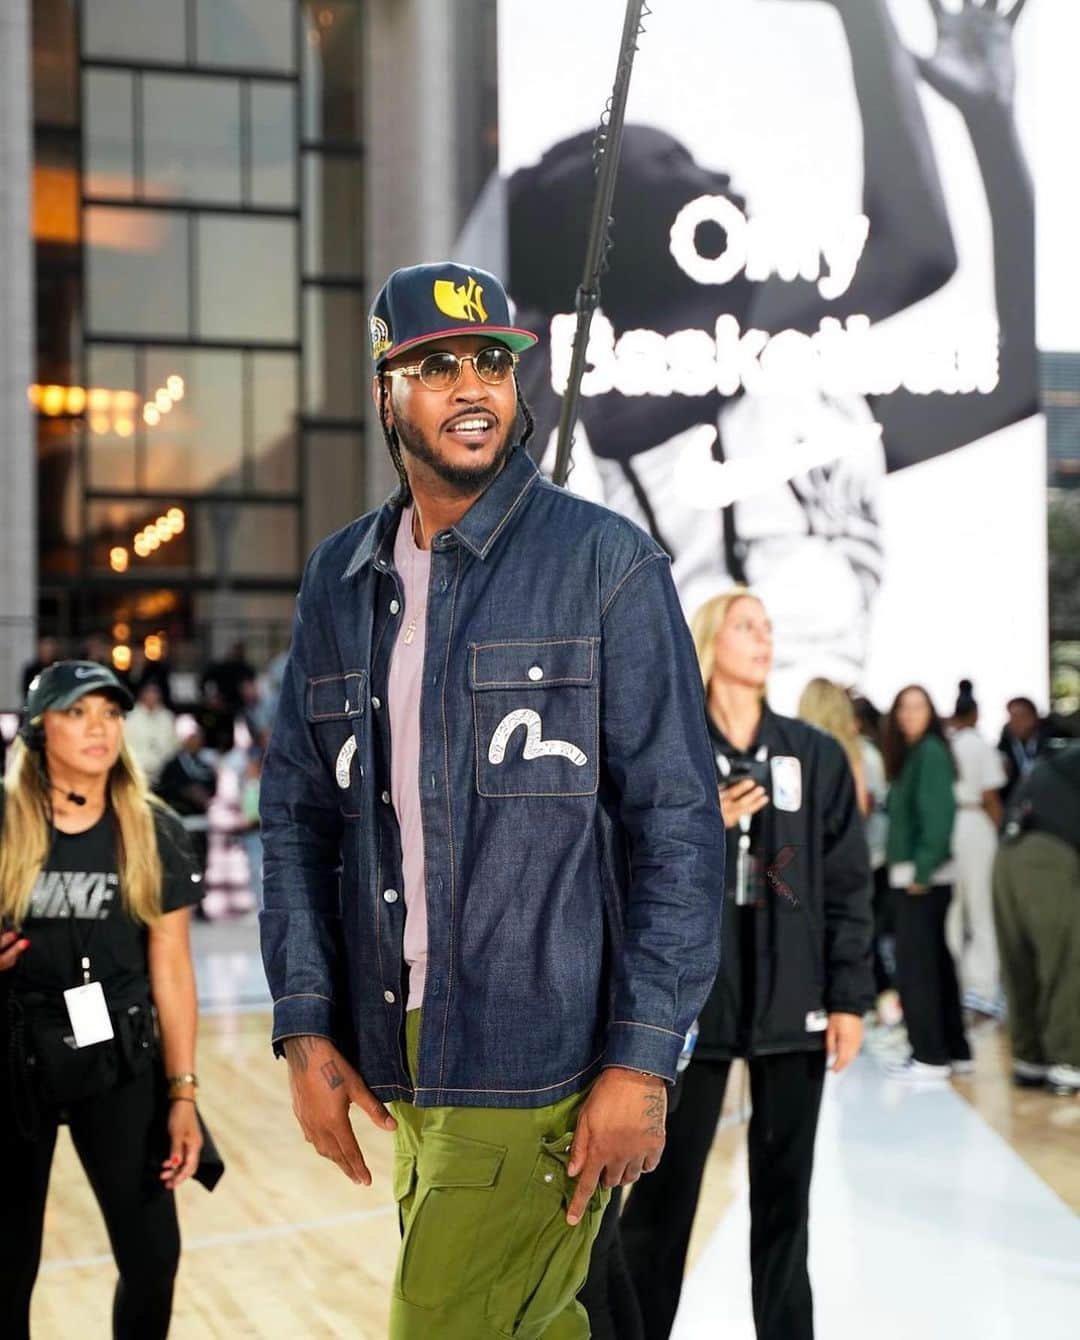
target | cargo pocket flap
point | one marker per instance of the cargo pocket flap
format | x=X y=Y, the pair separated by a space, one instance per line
x=336 y=697
x=453 y=1160
x=404 y=1175
x=532 y=665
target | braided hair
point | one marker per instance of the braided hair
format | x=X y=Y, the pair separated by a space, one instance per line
x=393 y=442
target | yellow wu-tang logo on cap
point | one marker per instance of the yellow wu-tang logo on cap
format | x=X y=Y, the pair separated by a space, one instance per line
x=462 y=301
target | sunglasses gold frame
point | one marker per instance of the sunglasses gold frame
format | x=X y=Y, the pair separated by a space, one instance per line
x=414 y=369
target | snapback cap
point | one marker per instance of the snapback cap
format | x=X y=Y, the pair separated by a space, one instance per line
x=63 y=683
x=422 y=303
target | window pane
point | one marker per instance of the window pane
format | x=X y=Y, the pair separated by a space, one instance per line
x=334 y=347
x=253 y=33
x=333 y=80
x=57 y=207
x=195 y=442
x=333 y=215
x=112 y=411
x=56 y=81
x=273 y=145
x=109 y=134
x=59 y=325
x=274 y=404
x=153 y=29
x=247 y=540
x=59 y=495
x=191 y=136
x=334 y=483
x=116 y=524
x=247 y=278
x=136 y=271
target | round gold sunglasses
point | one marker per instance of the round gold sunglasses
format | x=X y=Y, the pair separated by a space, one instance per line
x=441 y=371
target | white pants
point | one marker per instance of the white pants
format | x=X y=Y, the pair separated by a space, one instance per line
x=969 y=927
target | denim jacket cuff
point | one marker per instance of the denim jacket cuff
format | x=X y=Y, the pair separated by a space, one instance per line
x=643 y=1047
x=305 y=1013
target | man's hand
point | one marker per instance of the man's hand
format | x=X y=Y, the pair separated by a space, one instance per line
x=740 y=799
x=843 y=1040
x=323 y=1086
x=619 y=1135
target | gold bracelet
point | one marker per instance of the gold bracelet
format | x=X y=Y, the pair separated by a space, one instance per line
x=179 y=1081
x=180 y=1098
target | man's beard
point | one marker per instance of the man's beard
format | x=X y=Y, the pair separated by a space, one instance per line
x=466 y=481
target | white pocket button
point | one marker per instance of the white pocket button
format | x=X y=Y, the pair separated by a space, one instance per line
x=536 y=673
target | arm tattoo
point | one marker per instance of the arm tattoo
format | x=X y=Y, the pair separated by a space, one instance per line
x=298 y=1052
x=332 y=1074
x=654 y=1112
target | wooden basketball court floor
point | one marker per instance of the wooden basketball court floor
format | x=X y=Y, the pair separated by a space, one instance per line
x=287 y=1248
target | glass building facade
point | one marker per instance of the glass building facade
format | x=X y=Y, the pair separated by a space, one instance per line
x=200 y=389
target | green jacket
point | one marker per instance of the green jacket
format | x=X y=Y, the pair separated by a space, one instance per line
x=922 y=808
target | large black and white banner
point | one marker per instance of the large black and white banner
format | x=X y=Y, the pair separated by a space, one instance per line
x=814 y=370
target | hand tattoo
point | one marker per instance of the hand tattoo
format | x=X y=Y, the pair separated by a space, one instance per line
x=654 y=1112
x=332 y=1074
x=298 y=1052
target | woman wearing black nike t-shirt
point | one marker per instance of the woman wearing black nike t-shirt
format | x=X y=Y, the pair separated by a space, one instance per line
x=96 y=885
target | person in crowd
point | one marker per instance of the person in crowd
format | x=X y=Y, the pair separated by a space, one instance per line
x=1037 y=915
x=493 y=850
x=229 y=676
x=150 y=730
x=96 y=883
x=216 y=718
x=45 y=653
x=795 y=980
x=187 y=783
x=868 y=718
x=922 y=810
x=826 y=705
x=98 y=647
x=1023 y=738
x=969 y=927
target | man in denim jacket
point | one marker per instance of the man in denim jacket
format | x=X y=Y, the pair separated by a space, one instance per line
x=534 y=871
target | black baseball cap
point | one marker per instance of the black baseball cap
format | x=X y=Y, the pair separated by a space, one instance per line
x=422 y=303
x=65 y=682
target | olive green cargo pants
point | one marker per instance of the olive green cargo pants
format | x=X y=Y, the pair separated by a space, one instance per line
x=1037 y=912
x=486 y=1251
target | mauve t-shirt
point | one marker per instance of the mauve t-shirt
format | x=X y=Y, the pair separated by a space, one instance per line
x=403 y=694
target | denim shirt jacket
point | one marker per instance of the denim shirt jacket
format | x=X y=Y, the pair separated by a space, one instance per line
x=573 y=839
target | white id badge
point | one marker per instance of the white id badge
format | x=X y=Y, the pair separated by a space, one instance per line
x=89 y=1015
x=786 y=782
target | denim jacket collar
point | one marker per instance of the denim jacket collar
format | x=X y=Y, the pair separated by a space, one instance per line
x=478 y=529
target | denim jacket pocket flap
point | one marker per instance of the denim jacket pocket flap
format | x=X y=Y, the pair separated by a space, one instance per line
x=453 y=1160
x=532 y=665
x=336 y=697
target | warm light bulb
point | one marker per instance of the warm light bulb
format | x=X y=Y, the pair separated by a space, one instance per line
x=163 y=530
x=75 y=401
x=174 y=384
x=99 y=424
x=99 y=398
x=153 y=647
x=163 y=400
x=121 y=657
x=53 y=399
x=121 y=631
x=118 y=561
x=124 y=425
x=151 y=414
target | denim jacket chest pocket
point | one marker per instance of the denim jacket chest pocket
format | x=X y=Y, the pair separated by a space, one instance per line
x=335 y=710
x=536 y=716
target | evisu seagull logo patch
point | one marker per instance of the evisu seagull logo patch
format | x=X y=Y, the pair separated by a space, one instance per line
x=344 y=762
x=535 y=745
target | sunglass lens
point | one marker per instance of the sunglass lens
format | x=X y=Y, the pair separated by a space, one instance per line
x=494 y=365
x=438 y=372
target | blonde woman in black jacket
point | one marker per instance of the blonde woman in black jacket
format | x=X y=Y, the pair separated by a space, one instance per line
x=96 y=886
x=794 y=981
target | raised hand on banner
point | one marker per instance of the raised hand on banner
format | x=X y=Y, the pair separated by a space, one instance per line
x=974 y=62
